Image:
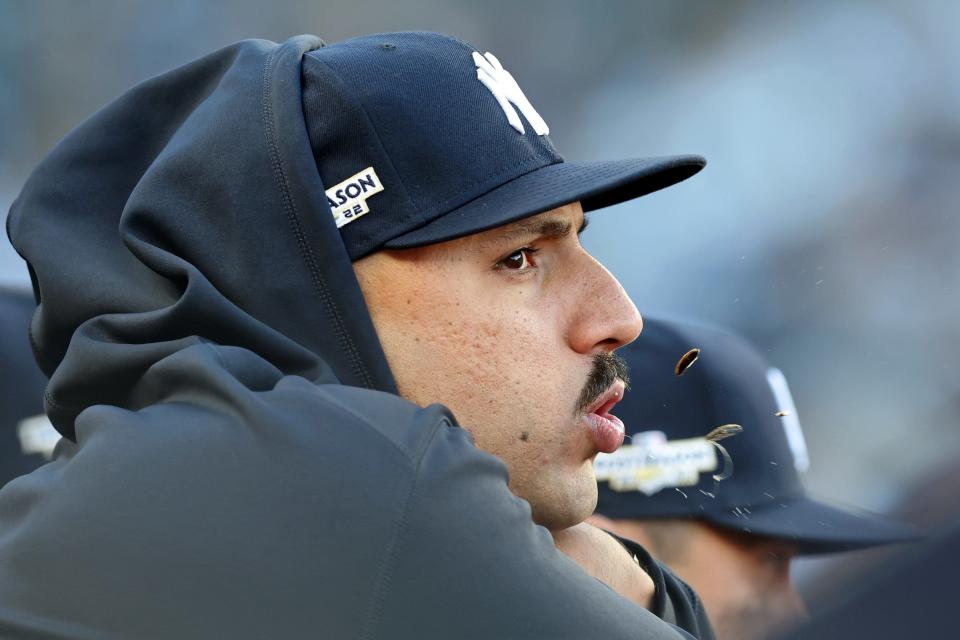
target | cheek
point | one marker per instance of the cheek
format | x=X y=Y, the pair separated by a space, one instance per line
x=454 y=346
x=720 y=573
x=515 y=353
x=493 y=354
x=493 y=361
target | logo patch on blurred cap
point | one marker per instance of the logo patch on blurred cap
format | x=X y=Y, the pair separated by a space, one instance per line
x=651 y=463
x=348 y=199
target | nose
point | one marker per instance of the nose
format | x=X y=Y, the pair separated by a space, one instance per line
x=605 y=318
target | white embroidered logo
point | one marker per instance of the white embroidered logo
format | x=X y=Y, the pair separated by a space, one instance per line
x=790 y=421
x=348 y=199
x=507 y=92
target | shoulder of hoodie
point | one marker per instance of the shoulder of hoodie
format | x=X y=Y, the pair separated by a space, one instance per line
x=229 y=483
x=225 y=392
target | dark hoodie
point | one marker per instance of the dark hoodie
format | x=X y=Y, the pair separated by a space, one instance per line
x=237 y=463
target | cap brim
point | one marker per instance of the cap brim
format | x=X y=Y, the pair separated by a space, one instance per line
x=815 y=527
x=594 y=184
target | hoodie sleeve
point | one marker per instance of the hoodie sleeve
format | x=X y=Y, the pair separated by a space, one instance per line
x=247 y=506
x=469 y=547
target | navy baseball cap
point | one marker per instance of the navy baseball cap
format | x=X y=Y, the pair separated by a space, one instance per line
x=421 y=138
x=667 y=469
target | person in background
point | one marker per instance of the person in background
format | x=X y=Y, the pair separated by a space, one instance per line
x=26 y=436
x=727 y=513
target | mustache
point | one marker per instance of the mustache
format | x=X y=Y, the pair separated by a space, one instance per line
x=607 y=367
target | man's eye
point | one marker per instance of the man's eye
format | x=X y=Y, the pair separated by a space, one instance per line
x=519 y=260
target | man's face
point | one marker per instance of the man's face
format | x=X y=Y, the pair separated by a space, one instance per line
x=504 y=327
x=743 y=579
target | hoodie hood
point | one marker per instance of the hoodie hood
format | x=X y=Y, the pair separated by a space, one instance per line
x=190 y=209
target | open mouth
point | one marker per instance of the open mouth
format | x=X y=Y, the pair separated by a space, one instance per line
x=606 y=429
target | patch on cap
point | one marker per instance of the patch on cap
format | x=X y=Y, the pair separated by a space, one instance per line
x=651 y=463
x=348 y=199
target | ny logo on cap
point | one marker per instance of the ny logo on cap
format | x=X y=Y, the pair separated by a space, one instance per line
x=508 y=94
x=791 y=423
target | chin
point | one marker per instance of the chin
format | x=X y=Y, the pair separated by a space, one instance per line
x=564 y=509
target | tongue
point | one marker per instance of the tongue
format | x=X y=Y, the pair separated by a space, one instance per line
x=607 y=432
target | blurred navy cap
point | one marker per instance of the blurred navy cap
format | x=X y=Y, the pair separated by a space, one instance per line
x=667 y=469
x=421 y=138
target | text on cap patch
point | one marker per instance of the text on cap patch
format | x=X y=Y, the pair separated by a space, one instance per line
x=348 y=199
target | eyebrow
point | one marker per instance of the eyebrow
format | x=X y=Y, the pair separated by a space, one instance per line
x=548 y=228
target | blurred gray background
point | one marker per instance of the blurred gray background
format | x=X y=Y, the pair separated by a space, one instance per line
x=824 y=227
